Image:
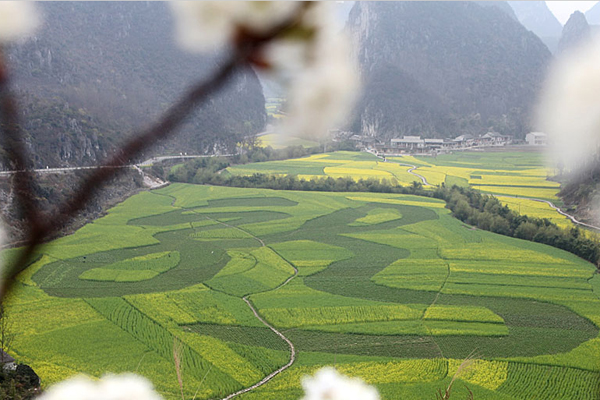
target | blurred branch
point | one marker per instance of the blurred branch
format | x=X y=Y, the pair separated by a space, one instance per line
x=246 y=50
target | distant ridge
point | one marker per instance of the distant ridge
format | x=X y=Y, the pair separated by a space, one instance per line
x=537 y=17
x=440 y=69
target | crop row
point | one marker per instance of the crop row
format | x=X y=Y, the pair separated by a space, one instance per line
x=461 y=313
x=488 y=374
x=296 y=317
x=526 y=381
x=163 y=342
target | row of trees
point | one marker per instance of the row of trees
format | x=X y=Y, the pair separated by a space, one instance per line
x=205 y=167
x=468 y=205
x=486 y=212
x=207 y=171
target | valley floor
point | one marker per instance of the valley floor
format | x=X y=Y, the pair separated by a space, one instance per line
x=387 y=287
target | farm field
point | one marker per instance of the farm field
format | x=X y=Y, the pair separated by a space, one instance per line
x=512 y=173
x=336 y=165
x=514 y=177
x=387 y=287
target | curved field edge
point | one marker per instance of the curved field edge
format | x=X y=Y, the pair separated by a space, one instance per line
x=401 y=245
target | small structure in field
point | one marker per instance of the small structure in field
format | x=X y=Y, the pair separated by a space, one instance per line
x=536 y=139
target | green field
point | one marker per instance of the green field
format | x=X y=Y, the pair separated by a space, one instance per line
x=336 y=165
x=514 y=177
x=387 y=287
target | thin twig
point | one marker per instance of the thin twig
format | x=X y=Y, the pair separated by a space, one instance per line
x=16 y=154
x=247 y=47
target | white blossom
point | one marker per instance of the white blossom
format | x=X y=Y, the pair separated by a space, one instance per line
x=204 y=25
x=328 y=384
x=110 y=387
x=322 y=96
x=311 y=60
x=569 y=110
x=17 y=19
x=260 y=16
x=320 y=74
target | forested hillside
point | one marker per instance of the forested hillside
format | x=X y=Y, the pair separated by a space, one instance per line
x=441 y=69
x=95 y=72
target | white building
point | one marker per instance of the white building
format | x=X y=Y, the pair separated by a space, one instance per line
x=536 y=139
x=409 y=143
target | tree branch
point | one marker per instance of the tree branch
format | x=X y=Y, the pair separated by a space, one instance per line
x=247 y=46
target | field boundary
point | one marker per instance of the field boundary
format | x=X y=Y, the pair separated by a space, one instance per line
x=255 y=312
x=555 y=207
x=280 y=370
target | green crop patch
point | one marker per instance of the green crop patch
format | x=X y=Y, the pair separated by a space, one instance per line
x=367 y=345
x=310 y=256
x=134 y=269
x=452 y=328
x=498 y=252
x=377 y=216
x=252 y=202
x=415 y=274
x=519 y=280
x=297 y=317
x=462 y=314
x=529 y=292
x=268 y=270
x=389 y=286
x=243 y=335
x=388 y=328
x=221 y=233
x=539 y=381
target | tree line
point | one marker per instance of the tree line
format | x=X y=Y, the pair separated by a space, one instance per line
x=487 y=212
x=468 y=205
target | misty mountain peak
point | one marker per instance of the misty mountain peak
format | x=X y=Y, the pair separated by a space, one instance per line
x=537 y=17
x=576 y=30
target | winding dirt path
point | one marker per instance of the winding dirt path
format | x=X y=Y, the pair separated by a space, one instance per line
x=411 y=170
x=265 y=323
x=556 y=208
x=280 y=370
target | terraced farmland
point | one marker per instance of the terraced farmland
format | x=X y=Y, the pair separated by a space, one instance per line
x=336 y=165
x=387 y=287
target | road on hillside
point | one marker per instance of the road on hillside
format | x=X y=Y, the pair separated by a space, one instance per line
x=145 y=163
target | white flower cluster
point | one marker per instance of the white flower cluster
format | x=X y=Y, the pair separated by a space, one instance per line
x=17 y=19
x=110 y=387
x=569 y=109
x=328 y=384
x=205 y=25
x=312 y=60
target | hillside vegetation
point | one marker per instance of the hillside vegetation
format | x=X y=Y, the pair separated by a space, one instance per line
x=437 y=68
x=96 y=72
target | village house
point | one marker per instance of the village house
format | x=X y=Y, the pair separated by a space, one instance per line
x=409 y=143
x=464 y=140
x=495 y=139
x=536 y=139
